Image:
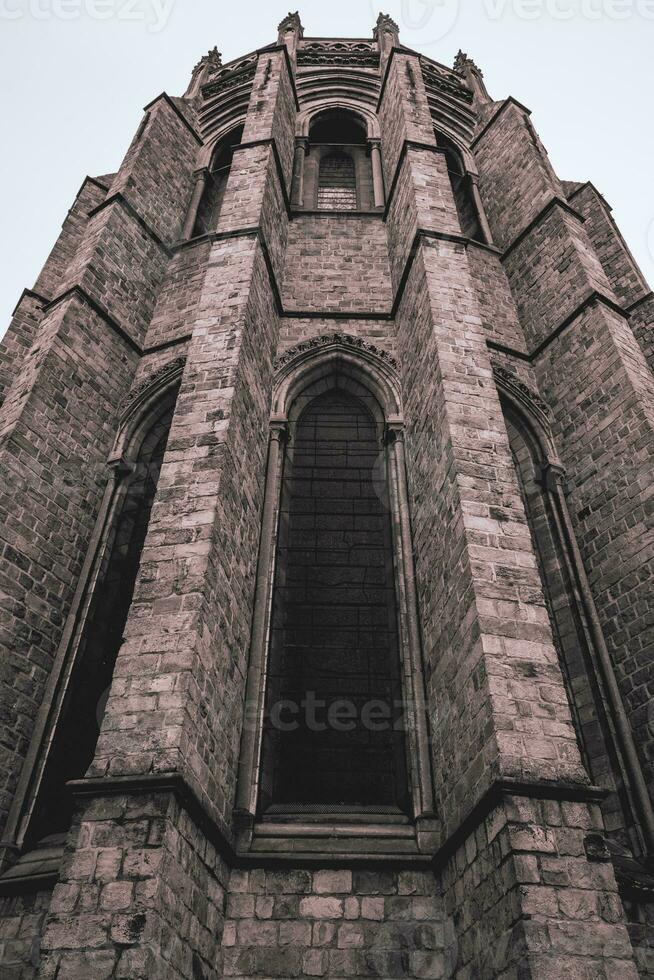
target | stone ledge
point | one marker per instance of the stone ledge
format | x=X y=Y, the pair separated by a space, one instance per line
x=498 y=112
x=97 y=307
x=120 y=198
x=30 y=294
x=542 y=214
x=167 y=99
x=502 y=788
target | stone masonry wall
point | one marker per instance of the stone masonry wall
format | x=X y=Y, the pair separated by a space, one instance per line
x=624 y=275
x=341 y=924
x=337 y=263
x=141 y=895
x=21 y=927
x=528 y=903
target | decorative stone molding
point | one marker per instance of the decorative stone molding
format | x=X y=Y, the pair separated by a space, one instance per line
x=444 y=81
x=532 y=401
x=151 y=383
x=462 y=62
x=232 y=75
x=339 y=46
x=356 y=57
x=212 y=61
x=334 y=339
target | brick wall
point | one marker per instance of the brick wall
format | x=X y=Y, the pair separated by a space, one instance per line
x=337 y=264
x=337 y=924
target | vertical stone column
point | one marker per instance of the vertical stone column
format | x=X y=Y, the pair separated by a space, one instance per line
x=201 y=178
x=301 y=152
x=183 y=666
x=496 y=696
x=594 y=376
x=374 y=149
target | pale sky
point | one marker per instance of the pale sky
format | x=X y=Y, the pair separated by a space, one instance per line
x=75 y=74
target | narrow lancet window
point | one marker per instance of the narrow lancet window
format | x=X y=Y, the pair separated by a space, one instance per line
x=333 y=732
x=76 y=733
x=212 y=200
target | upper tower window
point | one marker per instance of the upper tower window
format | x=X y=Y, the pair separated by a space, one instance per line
x=334 y=170
x=221 y=163
x=467 y=206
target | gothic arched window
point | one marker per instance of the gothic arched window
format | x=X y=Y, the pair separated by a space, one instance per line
x=334 y=637
x=79 y=709
x=335 y=718
x=208 y=212
x=334 y=169
x=462 y=188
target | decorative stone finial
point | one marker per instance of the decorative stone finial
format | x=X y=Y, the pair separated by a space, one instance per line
x=385 y=25
x=208 y=65
x=291 y=22
x=463 y=62
x=474 y=76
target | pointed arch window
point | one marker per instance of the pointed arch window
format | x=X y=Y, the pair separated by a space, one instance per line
x=334 y=636
x=335 y=686
x=66 y=737
x=468 y=206
x=208 y=212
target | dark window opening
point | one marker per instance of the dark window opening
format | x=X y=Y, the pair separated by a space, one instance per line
x=336 y=126
x=336 y=172
x=337 y=185
x=214 y=193
x=75 y=738
x=333 y=729
x=466 y=206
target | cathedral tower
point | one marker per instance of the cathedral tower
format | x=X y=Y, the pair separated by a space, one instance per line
x=326 y=445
